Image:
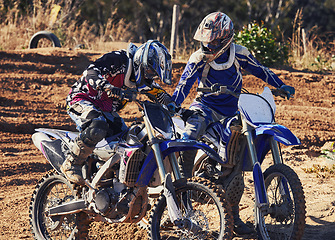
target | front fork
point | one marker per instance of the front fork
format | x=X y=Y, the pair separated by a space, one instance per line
x=259 y=185
x=166 y=180
x=276 y=155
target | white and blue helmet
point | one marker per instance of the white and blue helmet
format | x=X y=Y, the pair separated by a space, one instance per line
x=152 y=59
x=215 y=33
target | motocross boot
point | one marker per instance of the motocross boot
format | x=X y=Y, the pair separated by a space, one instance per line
x=72 y=166
x=187 y=162
x=234 y=191
x=240 y=228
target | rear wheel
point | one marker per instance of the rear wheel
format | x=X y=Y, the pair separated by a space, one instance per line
x=202 y=205
x=53 y=190
x=285 y=218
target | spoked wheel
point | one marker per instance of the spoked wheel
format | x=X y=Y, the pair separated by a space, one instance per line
x=144 y=223
x=285 y=218
x=206 y=212
x=53 y=190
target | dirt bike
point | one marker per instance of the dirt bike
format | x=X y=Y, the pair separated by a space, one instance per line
x=117 y=177
x=242 y=142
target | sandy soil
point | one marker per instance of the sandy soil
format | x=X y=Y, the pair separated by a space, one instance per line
x=34 y=84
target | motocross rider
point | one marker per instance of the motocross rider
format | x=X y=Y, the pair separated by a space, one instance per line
x=95 y=99
x=218 y=61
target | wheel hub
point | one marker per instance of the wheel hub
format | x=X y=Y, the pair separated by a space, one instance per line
x=281 y=212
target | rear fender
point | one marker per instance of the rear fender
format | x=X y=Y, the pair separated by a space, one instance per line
x=68 y=136
x=58 y=134
x=168 y=147
x=51 y=149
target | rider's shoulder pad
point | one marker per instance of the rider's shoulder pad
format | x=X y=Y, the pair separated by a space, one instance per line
x=196 y=57
x=239 y=49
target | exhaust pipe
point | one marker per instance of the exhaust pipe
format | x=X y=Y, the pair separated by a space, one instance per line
x=67 y=208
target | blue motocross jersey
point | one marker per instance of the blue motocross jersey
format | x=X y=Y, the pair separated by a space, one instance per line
x=225 y=70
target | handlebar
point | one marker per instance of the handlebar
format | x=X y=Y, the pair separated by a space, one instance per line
x=123 y=94
x=222 y=90
x=131 y=95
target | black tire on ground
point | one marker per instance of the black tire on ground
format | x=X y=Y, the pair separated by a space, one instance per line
x=44 y=34
x=54 y=189
x=287 y=211
x=210 y=213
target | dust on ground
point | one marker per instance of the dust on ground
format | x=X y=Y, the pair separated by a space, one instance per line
x=34 y=84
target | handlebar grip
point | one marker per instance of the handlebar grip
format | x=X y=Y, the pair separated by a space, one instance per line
x=129 y=95
x=203 y=89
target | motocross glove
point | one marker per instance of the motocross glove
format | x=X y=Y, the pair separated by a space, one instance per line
x=114 y=92
x=129 y=95
x=172 y=108
x=288 y=90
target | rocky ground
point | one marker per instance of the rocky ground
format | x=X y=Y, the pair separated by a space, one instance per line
x=34 y=84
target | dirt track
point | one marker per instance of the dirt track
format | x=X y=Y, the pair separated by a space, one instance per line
x=34 y=84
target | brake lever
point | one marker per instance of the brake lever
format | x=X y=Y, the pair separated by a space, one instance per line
x=209 y=94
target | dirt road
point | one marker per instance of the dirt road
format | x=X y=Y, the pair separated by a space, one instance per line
x=34 y=84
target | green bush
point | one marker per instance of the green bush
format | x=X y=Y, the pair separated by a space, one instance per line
x=262 y=44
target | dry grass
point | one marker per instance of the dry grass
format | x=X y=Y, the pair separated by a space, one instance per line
x=16 y=30
x=328 y=155
x=321 y=171
x=307 y=50
x=317 y=56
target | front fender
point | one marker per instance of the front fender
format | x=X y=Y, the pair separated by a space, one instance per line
x=178 y=145
x=168 y=147
x=280 y=133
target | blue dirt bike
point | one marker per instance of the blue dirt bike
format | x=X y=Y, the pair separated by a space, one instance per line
x=243 y=142
x=117 y=177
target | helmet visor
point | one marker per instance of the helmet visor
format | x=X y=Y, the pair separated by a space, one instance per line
x=149 y=73
x=218 y=44
x=214 y=45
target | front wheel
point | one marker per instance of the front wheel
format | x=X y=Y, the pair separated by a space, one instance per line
x=202 y=205
x=285 y=217
x=53 y=190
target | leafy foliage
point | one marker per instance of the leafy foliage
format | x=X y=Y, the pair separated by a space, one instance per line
x=262 y=44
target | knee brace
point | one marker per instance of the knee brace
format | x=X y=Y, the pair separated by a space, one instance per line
x=195 y=127
x=94 y=133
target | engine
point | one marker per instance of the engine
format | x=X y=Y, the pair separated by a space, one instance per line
x=112 y=203
x=118 y=196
